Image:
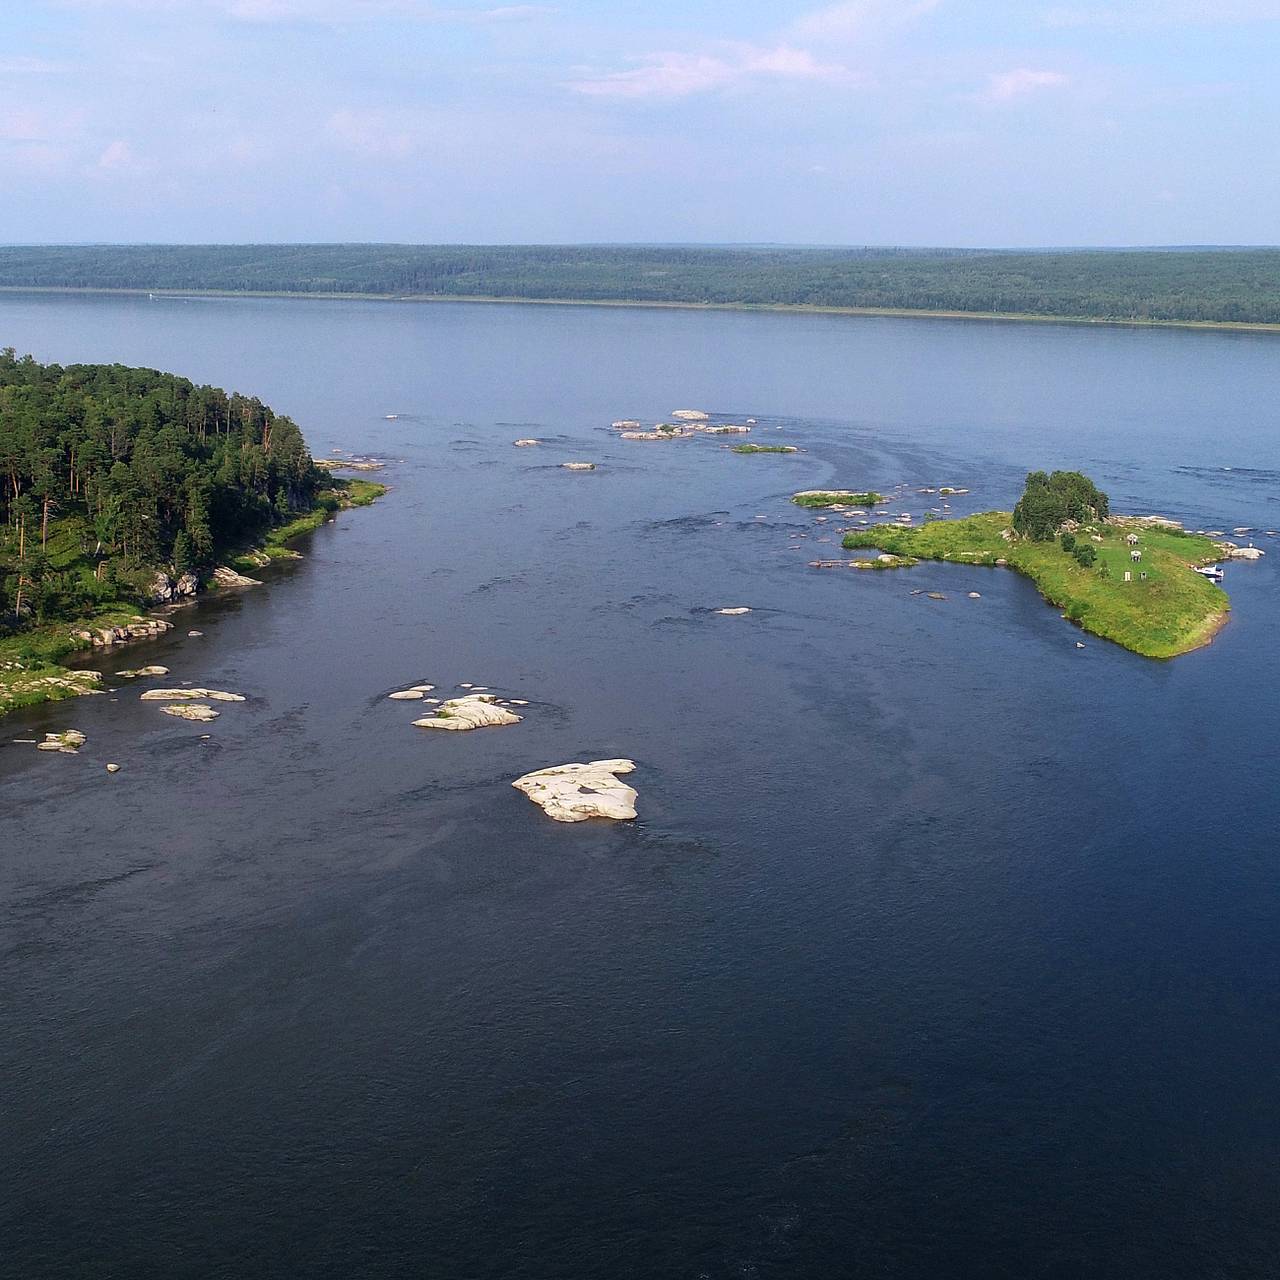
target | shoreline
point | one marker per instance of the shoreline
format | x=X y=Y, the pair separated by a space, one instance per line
x=53 y=682
x=797 y=308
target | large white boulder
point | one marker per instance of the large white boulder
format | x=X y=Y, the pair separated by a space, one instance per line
x=200 y=711
x=199 y=695
x=575 y=792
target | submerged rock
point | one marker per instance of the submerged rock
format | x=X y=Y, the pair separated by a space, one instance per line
x=575 y=792
x=69 y=741
x=475 y=711
x=199 y=695
x=201 y=711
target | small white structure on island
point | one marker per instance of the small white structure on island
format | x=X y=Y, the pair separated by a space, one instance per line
x=1135 y=555
x=1131 y=539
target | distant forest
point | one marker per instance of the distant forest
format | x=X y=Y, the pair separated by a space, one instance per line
x=1218 y=285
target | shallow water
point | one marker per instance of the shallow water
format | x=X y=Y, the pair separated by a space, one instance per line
x=941 y=947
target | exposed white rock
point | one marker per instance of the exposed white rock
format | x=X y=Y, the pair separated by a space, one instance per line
x=113 y=768
x=69 y=741
x=526 y=443
x=143 y=671
x=734 y=612
x=575 y=792
x=690 y=415
x=200 y=711
x=406 y=695
x=578 y=466
x=226 y=577
x=195 y=633
x=974 y=595
x=1247 y=553
x=627 y=424
x=197 y=695
x=475 y=711
x=422 y=688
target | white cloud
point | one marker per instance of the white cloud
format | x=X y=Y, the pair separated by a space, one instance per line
x=1005 y=86
x=677 y=75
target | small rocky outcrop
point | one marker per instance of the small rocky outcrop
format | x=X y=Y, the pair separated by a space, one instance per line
x=475 y=711
x=736 y=611
x=200 y=711
x=227 y=577
x=575 y=792
x=139 y=628
x=69 y=741
x=690 y=415
x=143 y=671
x=578 y=466
x=526 y=443
x=1247 y=553
x=187 y=695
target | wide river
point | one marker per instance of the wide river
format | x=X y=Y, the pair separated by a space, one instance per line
x=941 y=947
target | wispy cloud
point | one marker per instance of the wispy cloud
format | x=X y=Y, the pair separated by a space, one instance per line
x=856 y=19
x=1006 y=86
x=677 y=75
x=322 y=11
x=1145 y=14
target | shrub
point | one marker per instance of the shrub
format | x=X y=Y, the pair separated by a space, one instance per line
x=1086 y=554
x=1068 y=541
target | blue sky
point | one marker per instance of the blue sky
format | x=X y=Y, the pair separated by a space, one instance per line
x=945 y=122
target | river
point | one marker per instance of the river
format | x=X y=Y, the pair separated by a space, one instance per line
x=941 y=947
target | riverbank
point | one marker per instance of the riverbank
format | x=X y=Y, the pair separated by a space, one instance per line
x=1163 y=610
x=902 y=313
x=31 y=670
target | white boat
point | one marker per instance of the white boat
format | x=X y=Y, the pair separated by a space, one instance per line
x=1210 y=571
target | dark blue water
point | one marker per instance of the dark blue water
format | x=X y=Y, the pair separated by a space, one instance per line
x=940 y=948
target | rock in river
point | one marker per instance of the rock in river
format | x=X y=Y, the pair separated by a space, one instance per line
x=475 y=711
x=406 y=695
x=69 y=741
x=578 y=466
x=575 y=792
x=226 y=577
x=143 y=671
x=199 y=695
x=735 y=612
x=201 y=711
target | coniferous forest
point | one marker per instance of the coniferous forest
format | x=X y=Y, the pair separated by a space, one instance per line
x=1207 y=285
x=108 y=473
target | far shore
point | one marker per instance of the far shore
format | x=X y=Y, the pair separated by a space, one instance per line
x=904 y=313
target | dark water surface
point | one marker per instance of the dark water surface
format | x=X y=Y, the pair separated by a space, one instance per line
x=941 y=948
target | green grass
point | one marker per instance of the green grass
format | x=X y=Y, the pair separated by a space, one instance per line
x=343 y=493
x=765 y=448
x=1173 y=611
x=834 y=497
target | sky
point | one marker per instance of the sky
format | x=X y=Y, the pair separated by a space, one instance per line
x=912 y=122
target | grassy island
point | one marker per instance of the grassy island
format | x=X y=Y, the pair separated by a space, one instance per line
x=1169 y=611
x=837 y=498
x=765 y=448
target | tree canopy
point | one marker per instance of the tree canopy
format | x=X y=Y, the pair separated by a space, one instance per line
x=1049 y=501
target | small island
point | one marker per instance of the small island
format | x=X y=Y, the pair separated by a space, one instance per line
x=838 y=498
x=1133 y=580
x=765 y=448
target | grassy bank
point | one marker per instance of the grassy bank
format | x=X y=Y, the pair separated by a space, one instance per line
x=1171 y=611
x=31 y=670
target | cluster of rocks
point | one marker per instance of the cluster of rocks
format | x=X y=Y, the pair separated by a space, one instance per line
x=139 y=672
x=69 y=741
x=191 y=704
x=472 y=711
x=688 y=422
x=355 y=462
x=139 y=628
x=68 y=684
x=166 y=589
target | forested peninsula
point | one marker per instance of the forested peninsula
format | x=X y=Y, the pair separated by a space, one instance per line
x=123 y=487
x=1194 y=286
